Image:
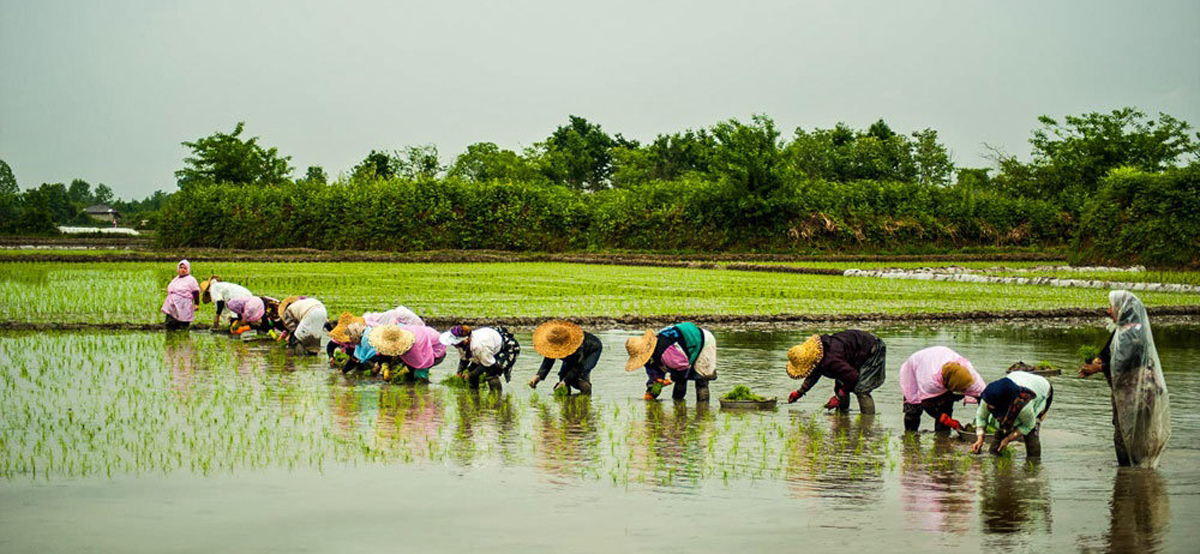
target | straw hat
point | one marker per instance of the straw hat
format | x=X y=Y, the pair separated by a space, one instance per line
x=204 y=295
x=802 y=358
x=557 y=339
x=342 y=332
x=287 y=302
x=640 y=349
x=391 y=340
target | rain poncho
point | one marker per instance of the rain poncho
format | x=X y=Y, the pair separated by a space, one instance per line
x=1139 y=393
x=921 y=375
x=180 y=301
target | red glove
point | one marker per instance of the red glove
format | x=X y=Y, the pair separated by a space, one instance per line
x=950 y=422
x=833 y=403
x=794 y=396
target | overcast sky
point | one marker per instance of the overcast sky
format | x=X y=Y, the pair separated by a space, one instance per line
x=107 y=90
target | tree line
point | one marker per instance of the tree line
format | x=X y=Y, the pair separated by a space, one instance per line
x=736 y=185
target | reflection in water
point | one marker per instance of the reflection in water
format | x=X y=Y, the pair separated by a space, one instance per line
x=567 y=441
x=937 y=485
x=409 y=421
x=844 y=463
x=671 y=445
x=1140 y=512
x=1015 y=498
x=486 y=420
x=179 y=354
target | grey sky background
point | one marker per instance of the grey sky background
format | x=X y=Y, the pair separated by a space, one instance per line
x=107 y=90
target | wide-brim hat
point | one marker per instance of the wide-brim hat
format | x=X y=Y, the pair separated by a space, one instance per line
x=341 y=333
x=204 y=296
x=557 y=338
x=391 y=340
x=287 y=302
x=640 y=349
x=802 y=358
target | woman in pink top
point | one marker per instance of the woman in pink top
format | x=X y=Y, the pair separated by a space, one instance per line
x=426 y=352
x=183 y=297
x=932 y=380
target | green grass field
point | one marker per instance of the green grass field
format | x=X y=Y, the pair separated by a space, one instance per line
x=132 y=292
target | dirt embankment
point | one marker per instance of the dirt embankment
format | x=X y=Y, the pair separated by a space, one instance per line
x=1172 y=314
x=738 y=262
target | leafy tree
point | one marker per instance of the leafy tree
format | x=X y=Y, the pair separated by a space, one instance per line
x=80 y=192
x=9 y=198
x=485 y=162
x=227 y=158
x=377 y=165
x=420 y=162
x=316 y=174
x=879 y=153
x=102 y=195
x=577 y=155
x=51 y=199
x=1070 y=158
x=748 y=156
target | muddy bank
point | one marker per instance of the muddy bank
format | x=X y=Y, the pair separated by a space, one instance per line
x=1162 y=314
x=701 y=261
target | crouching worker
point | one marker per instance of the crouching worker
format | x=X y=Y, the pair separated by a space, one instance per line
x=303 y=320
x=426 y=352
x=853 y=359
x=218 y=292
x=1015 y=406
x=674 y=355
x=483 y=352
x=932 y=381
x=344 y=339
x=578 y=350
x=250 y=312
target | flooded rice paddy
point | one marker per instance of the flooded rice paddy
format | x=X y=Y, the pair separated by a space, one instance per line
x=193 y=442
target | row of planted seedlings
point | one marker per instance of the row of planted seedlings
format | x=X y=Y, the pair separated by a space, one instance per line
x=108 y=404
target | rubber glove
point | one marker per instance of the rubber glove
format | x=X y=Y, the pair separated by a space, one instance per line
x=793 y=397
x=950 y=422
x=833 y=403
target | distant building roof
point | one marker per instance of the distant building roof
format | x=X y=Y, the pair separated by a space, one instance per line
x=100 y=209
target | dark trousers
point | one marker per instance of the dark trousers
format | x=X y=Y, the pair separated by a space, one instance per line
x=477 y=373
x=679 y=392
x=935 y=407
x=176 y=325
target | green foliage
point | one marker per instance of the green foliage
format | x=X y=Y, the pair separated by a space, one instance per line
x=227 y=158
x=316 y=174
x=1086 y=353
x=1070 y=158
x=485 y=162
x=748 y=156
x=1142 y=218
x=578 y=155
x=842 y=154
x=742 y=392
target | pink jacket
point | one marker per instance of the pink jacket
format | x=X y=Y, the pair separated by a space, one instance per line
x=425 y=349
x=921 y=375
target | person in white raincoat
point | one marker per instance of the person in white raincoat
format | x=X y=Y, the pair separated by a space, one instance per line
x=1140 y=407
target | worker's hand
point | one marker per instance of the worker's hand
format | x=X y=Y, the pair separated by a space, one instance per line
x=648 y=396
x=950 y=422
x=559 y=385
x=794 y=396
x=1005 y=442
x=977 y=445
x=665 y=382
x=534 y=382
x=833 y=403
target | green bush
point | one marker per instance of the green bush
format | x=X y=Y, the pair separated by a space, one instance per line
x=1142 y=218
